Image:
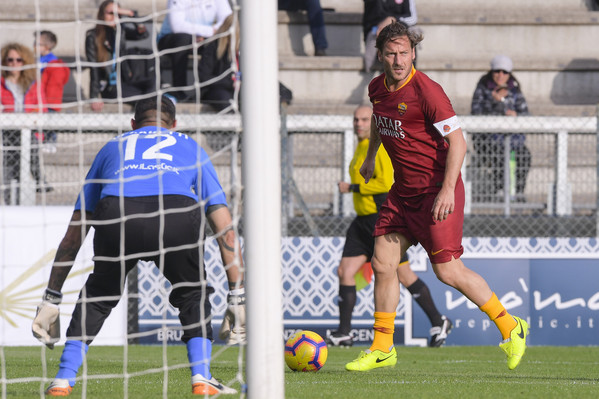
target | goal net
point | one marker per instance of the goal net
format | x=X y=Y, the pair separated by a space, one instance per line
x=47 y=151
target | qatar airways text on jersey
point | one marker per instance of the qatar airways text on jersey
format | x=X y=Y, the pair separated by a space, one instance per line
x=389 y=127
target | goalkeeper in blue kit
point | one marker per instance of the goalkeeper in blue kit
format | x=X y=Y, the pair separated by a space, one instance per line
x=146 y=194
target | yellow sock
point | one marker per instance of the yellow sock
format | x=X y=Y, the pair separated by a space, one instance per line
x=384 y=326
x=497 y=313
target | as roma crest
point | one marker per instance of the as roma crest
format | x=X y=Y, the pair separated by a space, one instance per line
x=402 y=108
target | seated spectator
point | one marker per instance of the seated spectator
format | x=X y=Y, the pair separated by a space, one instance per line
x=55 y=75
x=498 y=93
x=315 y=19
x=186 y=21
x=19 y=92
x=100 y=47
x=216 y=60
x=377 y=15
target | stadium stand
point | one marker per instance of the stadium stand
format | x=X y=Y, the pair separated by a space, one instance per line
x=547 y=39
x=559 y=77
x=556 y=72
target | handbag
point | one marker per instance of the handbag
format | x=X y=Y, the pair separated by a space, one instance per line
x=136 y=70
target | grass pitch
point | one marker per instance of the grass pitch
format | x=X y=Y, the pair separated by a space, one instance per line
x=450 y=372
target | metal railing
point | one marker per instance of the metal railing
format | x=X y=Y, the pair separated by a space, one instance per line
x=316 y=150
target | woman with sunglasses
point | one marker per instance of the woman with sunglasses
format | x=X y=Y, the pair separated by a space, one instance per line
x=102 y=45
x=19 y=89
x=498 y=93
x=19 y=93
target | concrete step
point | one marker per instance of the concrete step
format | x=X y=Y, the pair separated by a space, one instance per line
x=69 y=10
x=474 y=31
x=556 y=71
x=549 y=88
x=465 y=5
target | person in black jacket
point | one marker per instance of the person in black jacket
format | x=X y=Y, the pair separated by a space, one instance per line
x=218 y=62
x=498 y=92
x=101 y=46
x=217 y=59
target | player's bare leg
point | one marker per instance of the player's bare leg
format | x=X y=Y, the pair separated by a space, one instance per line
x=455 y=274
x=388 y=250
x=406 y=275
x=513 y=329
x=348 y=267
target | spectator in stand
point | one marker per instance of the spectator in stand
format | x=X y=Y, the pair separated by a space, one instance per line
x=19 y=88
x=19 y=93
x=498 y=93
x=188 y=21
x=216 y=60
x=55 y=75
x=100 y=47
x=377 y=15
x=315 y=19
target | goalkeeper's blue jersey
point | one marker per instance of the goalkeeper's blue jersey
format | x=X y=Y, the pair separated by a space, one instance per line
x=151 y=161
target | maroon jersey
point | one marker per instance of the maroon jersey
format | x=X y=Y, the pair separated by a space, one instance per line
x=412 y=122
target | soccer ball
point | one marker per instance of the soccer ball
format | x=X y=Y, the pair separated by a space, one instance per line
x=306 y=351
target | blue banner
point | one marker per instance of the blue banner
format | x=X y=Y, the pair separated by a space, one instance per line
x=558 y=297
x=551 y=282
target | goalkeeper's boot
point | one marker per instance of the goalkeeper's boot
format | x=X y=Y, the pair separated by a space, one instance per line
x=369 y=360
x=337 y=338
x=59 y=387
x=515 y=345
x=202 y=386
x=439 y=333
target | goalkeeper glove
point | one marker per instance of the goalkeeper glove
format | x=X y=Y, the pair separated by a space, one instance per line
x=232 y=331
x=46 y=324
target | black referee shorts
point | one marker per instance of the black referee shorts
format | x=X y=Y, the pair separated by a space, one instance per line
x=147 y=235
x=359 y=239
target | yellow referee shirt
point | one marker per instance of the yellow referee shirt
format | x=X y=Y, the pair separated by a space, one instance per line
x=380 y=183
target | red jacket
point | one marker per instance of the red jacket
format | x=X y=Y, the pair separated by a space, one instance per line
x=31 y=102
x=54 y=77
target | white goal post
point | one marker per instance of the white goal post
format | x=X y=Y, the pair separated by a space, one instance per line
x=261 y=172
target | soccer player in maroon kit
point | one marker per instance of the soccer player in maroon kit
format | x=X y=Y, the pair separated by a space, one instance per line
x=416 y=123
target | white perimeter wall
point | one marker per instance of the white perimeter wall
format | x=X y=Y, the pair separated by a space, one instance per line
x=29 y=237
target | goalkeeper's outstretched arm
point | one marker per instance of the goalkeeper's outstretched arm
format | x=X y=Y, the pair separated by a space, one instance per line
x=46 y=324
x=67 y=251
x=232 y=329
x=221 y=224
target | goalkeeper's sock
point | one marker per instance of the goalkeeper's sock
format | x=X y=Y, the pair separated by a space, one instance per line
x=71 y=360
x=347 y=301
x=497 y=313
x=384 y=326
x=199 y=350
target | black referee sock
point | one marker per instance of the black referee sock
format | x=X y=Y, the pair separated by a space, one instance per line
x=422 y=295
x=347 y=301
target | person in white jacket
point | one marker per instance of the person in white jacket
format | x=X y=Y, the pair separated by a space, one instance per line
x=188 y=21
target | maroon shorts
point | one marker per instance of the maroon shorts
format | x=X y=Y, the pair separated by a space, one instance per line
x=412 y=218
